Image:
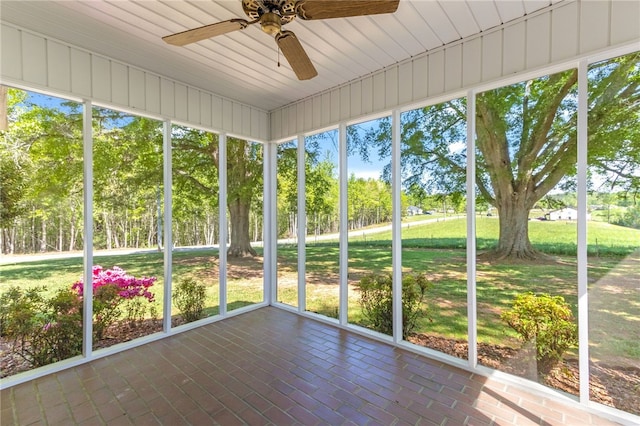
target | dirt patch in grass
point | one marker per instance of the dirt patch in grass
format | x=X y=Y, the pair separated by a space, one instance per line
x=615 y=386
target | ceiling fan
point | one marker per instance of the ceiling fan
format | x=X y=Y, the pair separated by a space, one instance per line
x=274 y=14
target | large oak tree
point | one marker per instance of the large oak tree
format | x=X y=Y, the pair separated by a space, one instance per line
x=526 y=139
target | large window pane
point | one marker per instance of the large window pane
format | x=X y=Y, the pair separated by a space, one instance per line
x=195 y=226
x=128 y=187
x=41 y=239
x=323 y=224
x=244 y=203
x=614 y=232
x=287 y=223
x=433 y=156
x=369 y=211
x=526 y=240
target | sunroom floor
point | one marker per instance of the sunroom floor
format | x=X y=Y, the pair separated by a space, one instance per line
x=273 y=367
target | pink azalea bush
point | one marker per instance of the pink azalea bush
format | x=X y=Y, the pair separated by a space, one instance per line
x=111 y=288
x=128 y=286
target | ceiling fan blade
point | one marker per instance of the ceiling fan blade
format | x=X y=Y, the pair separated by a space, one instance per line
x=296 y=56
x=325 y=9
x=208 y=31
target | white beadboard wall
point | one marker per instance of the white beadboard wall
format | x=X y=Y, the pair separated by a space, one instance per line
x=36 y=62
x=568 y=31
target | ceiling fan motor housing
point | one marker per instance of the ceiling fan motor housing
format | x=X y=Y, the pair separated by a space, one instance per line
x=284 y=9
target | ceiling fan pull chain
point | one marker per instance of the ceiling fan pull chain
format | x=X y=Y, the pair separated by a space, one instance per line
x=278 y=56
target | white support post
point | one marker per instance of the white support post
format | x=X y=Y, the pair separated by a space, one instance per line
x=472 y=312
x=222 y=211
x=269 y=233
x=344 y=229
x=167 y=177
x=396 y=226
x=583 y=301
x=302 y=226
x=87 y=276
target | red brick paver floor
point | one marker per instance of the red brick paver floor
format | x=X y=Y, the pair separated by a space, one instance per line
x=273 y=367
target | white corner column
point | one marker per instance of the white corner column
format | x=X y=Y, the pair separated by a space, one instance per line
x=167 y=177
x=222 y=212
x=583 y=301
x=302 y=225
x=344 y=228
x=396 y=226
x=472 y=311
x=87 y=183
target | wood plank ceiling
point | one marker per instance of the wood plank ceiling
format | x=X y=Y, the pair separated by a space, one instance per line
x=244 y=65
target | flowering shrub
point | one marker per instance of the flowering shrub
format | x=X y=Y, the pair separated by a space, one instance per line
x=127 y=285
x=111 y=289
x=40 y=330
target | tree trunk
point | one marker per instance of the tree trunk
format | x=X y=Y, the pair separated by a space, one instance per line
x=240 y=245
x=513 y=242
x=61 y=234
x=4 y=121
x=43 y=236
x=107 y=228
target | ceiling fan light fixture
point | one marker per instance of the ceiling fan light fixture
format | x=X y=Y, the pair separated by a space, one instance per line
x=270 y=23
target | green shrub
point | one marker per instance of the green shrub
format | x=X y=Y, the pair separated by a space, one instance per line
x=377 y=302
x=189 y=298
x=18 y=309
x=106 y=308
x=41 y=330
x=546 y=321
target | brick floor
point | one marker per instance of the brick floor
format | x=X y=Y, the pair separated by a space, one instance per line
x=272 y=367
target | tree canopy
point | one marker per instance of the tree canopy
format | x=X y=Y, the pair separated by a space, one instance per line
x=526 y=141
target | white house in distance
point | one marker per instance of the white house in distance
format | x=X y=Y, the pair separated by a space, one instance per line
x=413 y=210
x=566 y=213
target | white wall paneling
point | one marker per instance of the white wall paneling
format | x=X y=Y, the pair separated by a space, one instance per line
x=193 y=109
x=326 y=109
x=59 y=66
x=308 y=114
x=492 y=56
x=625 y=18
x=317 y=111
x=379 y=91
x=405 y=77
x=538 y=41
x=119 y=84
x=137 y=89
x=472 y=62
x=514 y=54
x=367 y=95
x=453 y=68
x=34 y=65
x=35 y=61
x=205 y=109
x=152 y=93
x=101 y=79
x=80 y=73
x=334 y=111
x=436 y=73
x=237 y=118
x=420 y=78
x=593 y=35
x=356 y=98
x=564 y=32
x=181 y=102
x=11 y=44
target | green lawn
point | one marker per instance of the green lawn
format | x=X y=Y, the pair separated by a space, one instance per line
x=435 y=248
